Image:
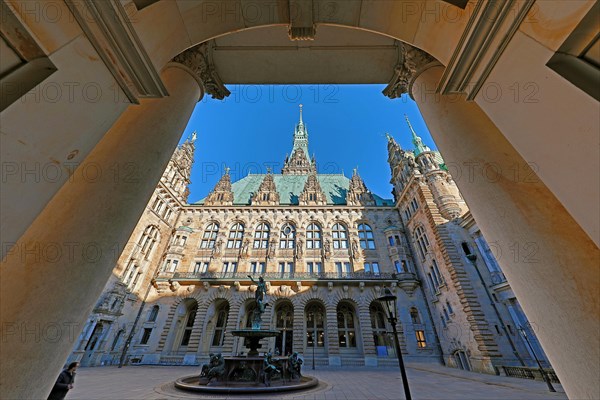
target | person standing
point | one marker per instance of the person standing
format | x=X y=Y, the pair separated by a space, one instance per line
x=64 y=383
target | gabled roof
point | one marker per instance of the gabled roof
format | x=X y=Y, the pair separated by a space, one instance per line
x=289 y=188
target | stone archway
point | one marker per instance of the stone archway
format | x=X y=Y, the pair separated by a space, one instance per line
x=558 y=293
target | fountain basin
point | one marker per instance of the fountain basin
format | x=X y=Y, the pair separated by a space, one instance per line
x=253 y=337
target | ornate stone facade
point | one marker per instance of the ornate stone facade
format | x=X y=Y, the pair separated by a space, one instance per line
x=327 y=247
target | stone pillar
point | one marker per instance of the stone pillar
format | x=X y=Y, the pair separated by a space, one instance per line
x=366 y=332
x=299 y=331
x=549 y=261
x=333 y=345
x=54 y=274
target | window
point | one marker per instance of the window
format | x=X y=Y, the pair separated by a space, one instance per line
x=315 y=325
x=229 y=268
x=340 y=236
x=146 y=335
x=380 y=336
x=446 y=315
x=399 y=267
x=397 y=239
x=201 y=267
x=210 y=236
x=136 y=279
x=421 y=342
x=450 y=310
x=153 y=314
x=344 y=269
x=432 y=285
x=365 y=235
x=287 y=237
x=422 y=241
x=286 y=269
x=220 y=324
x=117 y=340
x=314 y=268
x=443 y=321
x=236 y=233
x=488 y=255
x=405 y=267
x=171 y=265
x=257 y=268
x=465 y=248
x=129 y=272
x=313 y=236
x=372 y=268
x=414 y=316
x=436 y=272
x=189 y=324
x=261 y=236
x=461 y=360
x=391 y=240
x=346 y=325
x=148 y=240
x=414 y=204
x=284 y=323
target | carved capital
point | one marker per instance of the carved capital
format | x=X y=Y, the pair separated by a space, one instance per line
x=411 y=60
x=199 y=60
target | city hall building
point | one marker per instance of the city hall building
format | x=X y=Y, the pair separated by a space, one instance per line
x=327 y=248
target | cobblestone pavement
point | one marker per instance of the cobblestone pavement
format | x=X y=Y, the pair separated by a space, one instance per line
x=360 y=383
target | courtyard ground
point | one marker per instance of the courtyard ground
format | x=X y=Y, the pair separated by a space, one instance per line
x=426 y=382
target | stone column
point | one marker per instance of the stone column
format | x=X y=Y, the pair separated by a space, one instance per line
x=54 y=274
x=549 y=261
x=333 y=345
x=366 y=332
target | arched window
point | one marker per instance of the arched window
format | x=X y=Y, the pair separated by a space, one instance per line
x=346 y=325
x=284 y=323
x=414 y=316
x=220 y=324
x=148 y=240
x=365 y=235
x=236 y=233
x=210 y=236
x=383 y=342
x=313 y=236
x=422 y=241
x=189 y=324
x=153 y=314
x=340 y=236
x=461 y=360
x=315 y=325
x=261 y=236
x=287 y=237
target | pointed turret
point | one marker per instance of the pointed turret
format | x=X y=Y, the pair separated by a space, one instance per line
x=222 y=193
x=177 y=174
x=312 y=194
x=419 y=146
x=267 y=194
x=299 y=163
x=358 y=194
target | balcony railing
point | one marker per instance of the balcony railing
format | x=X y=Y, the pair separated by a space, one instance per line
x=275 y=276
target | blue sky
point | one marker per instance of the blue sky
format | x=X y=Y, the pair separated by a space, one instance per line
x=252 y=129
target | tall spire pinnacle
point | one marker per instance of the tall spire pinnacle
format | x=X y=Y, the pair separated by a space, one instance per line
x=299 y=162
x=301 y=122
x=419 y=146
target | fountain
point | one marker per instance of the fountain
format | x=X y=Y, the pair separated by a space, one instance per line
x=251 y=373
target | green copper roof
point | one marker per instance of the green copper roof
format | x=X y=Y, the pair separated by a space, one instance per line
x=289 y=187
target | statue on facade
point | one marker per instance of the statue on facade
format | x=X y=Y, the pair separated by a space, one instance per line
x=355 y=250
x=294 y=366
x=326 y=251
x=215 y=368
x=216 y=251
x=269 y=369
x=271 y=251
x=299 y=244
x=245 y=248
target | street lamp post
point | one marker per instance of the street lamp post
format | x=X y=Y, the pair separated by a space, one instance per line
x=544 y=375
x=388 y=300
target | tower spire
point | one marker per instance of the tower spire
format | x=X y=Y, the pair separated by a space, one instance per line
x=419 y=146
x=301 y=122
